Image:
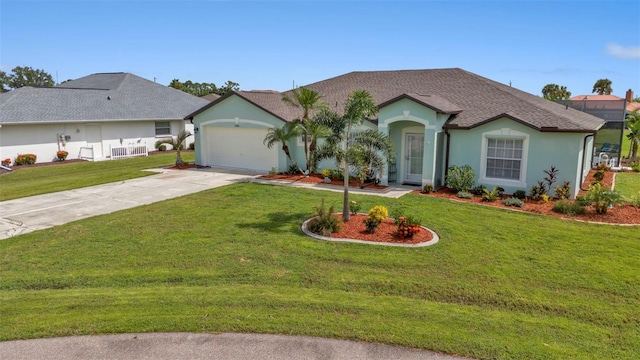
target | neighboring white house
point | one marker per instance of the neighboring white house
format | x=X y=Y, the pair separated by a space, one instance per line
x=88 y=116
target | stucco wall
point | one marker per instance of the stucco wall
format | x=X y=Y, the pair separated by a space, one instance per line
x=42 y=139
x=562 y=150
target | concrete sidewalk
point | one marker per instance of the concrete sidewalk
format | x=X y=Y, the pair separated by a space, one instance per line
x=187 y=346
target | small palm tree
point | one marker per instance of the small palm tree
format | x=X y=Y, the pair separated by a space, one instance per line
x=307 y=100
x=633 y=124
x=177 y=143
x=312 y=131
x=282 y=135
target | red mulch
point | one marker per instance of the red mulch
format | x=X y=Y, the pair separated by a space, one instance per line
x=624 y=214
x=355 y=229
x=319 y=179
x=183 y=167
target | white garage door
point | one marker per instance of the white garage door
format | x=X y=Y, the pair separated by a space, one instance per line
x=240 y=148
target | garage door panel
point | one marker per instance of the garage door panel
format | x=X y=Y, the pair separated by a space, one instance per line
x=240 y=148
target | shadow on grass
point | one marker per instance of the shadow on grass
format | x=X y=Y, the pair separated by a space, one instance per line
x=279 y=222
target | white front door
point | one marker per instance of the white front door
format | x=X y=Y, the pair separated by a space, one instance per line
x=414 y=151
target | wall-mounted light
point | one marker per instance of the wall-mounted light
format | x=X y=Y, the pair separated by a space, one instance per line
x=195 y=129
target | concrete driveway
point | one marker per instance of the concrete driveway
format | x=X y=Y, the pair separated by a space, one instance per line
x=228 y=346
x=32 y=213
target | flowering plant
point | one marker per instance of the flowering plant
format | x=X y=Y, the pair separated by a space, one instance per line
x=407 y=227
x=6 y=162
x=354 y=207
x=25 y=159
x=61 y=154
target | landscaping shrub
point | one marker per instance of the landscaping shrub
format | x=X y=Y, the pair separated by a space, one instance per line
x=328 y=173
x=292 y=169
x=635 y=200
x=192 y=146
x=635 y=167
x=478 y=190
x=464 y=195
x=427 y=188
x=564 y=191
x=569 y=208
x=62 y=155
x=513 y=202
x=162 y=147
x=377 y=214
x=603 y=167
x=551 y=178
x=25 y=159
x=520 y=194
x=599 y=175
x=582 y=200
x=325 y=223
x=492 y=195
x=537 y=191
x=460 y=177
x=6 y=162
x=354 y=207
x=602 y=197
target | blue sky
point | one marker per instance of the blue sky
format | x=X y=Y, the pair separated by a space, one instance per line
x=271 y=44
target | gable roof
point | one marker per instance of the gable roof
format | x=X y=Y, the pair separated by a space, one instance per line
x=473 y=99
x=97 y=97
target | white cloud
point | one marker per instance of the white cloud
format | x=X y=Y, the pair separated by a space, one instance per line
x=621 y=52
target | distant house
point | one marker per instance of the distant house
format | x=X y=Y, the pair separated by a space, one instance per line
x=435 y=118
x=88 y=116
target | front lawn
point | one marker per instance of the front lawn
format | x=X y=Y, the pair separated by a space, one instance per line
x=628 y=184
x=499 y=284
x=47 y=179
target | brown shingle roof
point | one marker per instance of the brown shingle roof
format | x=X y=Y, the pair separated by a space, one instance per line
x=475 y=99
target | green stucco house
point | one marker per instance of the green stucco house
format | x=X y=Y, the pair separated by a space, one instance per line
x=435 y=118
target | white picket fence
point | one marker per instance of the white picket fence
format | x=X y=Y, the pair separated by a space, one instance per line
x=121 y=152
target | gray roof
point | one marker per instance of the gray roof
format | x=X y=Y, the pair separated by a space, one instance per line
x=97 y=97
x=472 y=100
x=210 y=97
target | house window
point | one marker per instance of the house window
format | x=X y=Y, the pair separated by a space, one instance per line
x=163 y=128
x=504 y=158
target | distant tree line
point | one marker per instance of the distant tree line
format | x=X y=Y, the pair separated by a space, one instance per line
x=24 y=76
x=556 y=92
x=202 y=89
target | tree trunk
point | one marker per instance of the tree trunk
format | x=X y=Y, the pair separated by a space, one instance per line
x=179 y=162
x=285 y=148
x=345 y=201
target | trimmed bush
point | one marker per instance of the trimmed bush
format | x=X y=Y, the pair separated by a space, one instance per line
x=464 y=195
x=569 y=208
x=25 y=159
x=513 y=202
x=460 y=178
x=328 y=173
x=520 y=194
x=427 y=188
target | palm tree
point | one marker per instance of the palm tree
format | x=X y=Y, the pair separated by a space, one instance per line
x=177 y=143
x=555 y=92
x=633 y=124
x=370 y=152
x=602 y=87
x=313 y=130
x=307 y=100
x=282 y=135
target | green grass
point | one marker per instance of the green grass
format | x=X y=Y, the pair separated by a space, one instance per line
x=628 y=184
x=47 y=179
x=500 y=284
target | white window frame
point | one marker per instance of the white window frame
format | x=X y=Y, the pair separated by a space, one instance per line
x=510 y=134
x=163 y=127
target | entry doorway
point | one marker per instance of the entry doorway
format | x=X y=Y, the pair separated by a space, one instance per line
x=414 y=152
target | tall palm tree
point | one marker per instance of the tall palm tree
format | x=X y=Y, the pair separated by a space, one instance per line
x=308 y=100
x=359 y=106
x=177 y=143
x=602 y=87
x=282 y=135
x=633 y=124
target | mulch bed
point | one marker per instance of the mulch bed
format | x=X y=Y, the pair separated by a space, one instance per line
x=386 y=232
x=319 y=179
x=624 y=214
